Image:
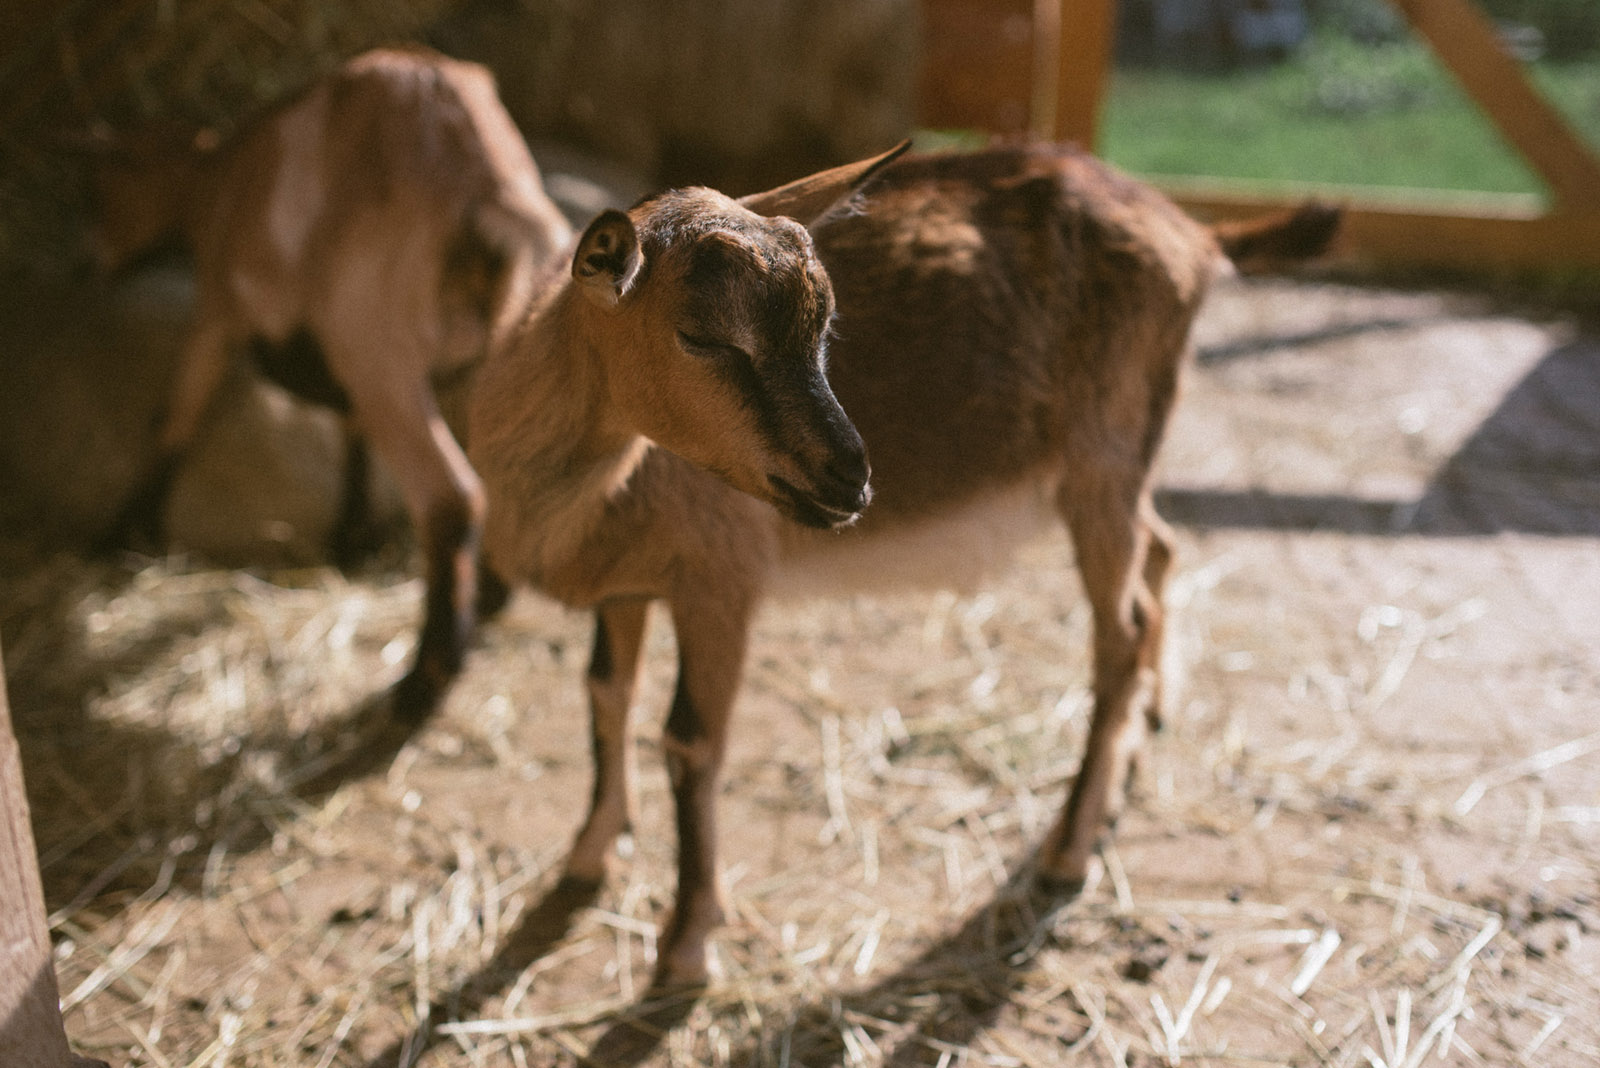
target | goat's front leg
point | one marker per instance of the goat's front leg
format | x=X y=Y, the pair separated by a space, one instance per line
x=711 y=645
x=445 y=501
x=619 y=628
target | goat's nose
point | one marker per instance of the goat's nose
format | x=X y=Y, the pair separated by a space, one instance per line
x=850 y=465
x=847 y=475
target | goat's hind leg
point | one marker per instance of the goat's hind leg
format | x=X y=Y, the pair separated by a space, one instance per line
x=354 y=537
x=619 y=628
x=1161 y=552
x=201 y=368
x=1103 y=509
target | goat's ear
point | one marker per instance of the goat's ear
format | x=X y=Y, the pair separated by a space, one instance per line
x=608 y=258
x=809 y=200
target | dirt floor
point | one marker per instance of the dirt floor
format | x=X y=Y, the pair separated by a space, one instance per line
x=1369 y=836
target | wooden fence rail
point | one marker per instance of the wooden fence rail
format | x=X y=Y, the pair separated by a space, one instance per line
x=1072 y=41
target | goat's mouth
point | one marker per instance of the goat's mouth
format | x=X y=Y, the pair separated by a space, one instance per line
x=813 y=510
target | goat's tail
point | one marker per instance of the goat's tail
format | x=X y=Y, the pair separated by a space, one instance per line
x=1285 y=237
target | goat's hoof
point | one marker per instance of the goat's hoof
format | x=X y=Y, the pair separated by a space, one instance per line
x=416 y=697
x=107 y=544
x=1154 y=720
x=420 y=693
x=681 y=974
x=579 y=885
x=1060 y=887
x=493 y=594
x=126 y=538
x=352 y=548
x=1066 y=878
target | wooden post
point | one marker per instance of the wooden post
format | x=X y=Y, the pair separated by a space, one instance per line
x=979 y=65
x=31 y=1034
x=1467 y=43
x=1084 y=31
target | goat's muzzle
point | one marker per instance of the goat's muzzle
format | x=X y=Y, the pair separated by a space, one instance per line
x=836 y=499
x=825 y=480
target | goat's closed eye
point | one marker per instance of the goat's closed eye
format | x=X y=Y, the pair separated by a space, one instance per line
x=710 y=347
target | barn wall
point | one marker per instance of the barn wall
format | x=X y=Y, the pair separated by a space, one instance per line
x=740 y=93
x=735 y=93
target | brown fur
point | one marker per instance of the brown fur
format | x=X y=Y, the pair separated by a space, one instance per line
x=1011 y=328
x=392 y=213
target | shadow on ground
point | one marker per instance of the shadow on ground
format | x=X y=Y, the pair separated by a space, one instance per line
x=152 y=803
x=943 y=999
x=1532 y=467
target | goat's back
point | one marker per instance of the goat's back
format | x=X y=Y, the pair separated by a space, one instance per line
x=401 y=165
x=413 y=119
x=993 y=305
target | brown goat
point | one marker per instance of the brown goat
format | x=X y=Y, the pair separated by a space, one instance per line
x=1011 y=326
x=370 y=236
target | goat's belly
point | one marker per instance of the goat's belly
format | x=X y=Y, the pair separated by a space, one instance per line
x=955 y=549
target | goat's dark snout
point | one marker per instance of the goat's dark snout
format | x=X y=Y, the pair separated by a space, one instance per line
x=833 y=488
x=846 y=480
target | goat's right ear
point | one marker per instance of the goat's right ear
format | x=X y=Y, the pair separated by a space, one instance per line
x=811 y=199
x=608 y=258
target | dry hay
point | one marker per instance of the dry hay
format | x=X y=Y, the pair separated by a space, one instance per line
x=740 y=95
x=127 y=62
x=205 y=60
x=248 y=868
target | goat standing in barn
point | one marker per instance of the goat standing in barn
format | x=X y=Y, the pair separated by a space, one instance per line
x=372 y=235
x=1011 y=326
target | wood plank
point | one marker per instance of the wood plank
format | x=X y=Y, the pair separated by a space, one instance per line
x=977 y=64
x=1084 y=32
x=1467 y=43
x=30 y=1014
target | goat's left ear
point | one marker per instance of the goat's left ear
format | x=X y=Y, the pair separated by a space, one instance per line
x=809 y=200
x=608 y=258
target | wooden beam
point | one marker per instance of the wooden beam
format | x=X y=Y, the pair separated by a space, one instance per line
x=1084 y=31
x=1460 y=233
x=1470 y=47
x=1074 y=40
x=30 y=1011
x=977 y=64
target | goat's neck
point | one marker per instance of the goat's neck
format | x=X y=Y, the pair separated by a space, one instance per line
x=553 y=448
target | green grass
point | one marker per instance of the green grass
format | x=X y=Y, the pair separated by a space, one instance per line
x=1340 y=113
